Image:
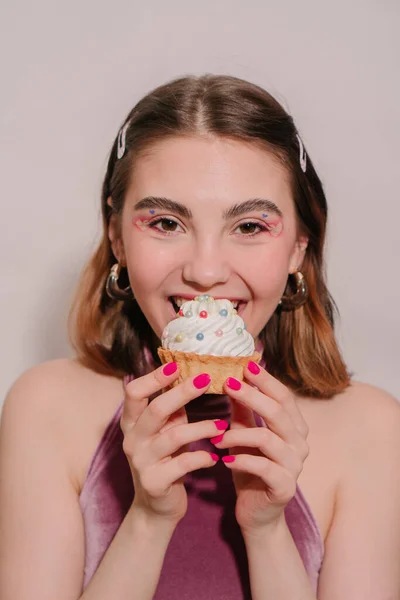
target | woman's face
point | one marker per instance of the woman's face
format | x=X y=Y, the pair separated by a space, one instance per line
x=209 y=216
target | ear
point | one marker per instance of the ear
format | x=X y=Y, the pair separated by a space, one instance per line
x=297 y=256
x=114 y=235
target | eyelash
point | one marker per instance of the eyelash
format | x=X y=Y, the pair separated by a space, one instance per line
x=152 y=225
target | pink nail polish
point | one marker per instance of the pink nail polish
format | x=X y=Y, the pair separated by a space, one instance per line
x=228 y=459
x=170 y=368
x=253 y=368
x=217 y=438
x=233 y=383
x=221 y=424
x=214 y=456
x=201 y=380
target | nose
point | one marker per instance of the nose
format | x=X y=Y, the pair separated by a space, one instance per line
x=206 y=267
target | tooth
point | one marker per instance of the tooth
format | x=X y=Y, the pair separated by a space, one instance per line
x=178 y=301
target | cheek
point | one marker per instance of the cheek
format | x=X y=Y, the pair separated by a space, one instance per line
x=265 y=268
x=148 y=262
x=268 y=280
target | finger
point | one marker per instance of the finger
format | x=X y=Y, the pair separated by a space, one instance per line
x=270 y=386
x=157 y=413
x=274 y=415
x=268 y=443
x=158 y=479
x=280 y=485
x=242 y=417
x=172 y=440
x=138 y=391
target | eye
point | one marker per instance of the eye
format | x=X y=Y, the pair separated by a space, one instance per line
x=164 y=225
x=249 y=229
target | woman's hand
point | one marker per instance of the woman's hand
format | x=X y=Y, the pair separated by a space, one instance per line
x=156 y=438
x=267 y=461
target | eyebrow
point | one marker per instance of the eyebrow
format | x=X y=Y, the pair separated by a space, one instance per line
x=234 y=211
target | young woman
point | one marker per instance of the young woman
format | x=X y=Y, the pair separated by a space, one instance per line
x=116 y=484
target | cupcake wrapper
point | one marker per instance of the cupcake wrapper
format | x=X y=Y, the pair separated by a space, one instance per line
x=218 y=367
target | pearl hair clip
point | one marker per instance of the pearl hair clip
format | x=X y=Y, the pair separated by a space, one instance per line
x=122 y=140
x=122 y=146
x=303 y=155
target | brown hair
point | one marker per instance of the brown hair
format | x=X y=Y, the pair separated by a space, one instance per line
x=113 y=337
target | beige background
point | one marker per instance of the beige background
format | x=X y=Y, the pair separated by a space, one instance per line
x=70 y=71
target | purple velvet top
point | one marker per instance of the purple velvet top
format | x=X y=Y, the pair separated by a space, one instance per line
x=206 y=557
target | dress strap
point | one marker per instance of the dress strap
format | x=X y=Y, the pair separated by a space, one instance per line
x=306 y=510
x=106 y=444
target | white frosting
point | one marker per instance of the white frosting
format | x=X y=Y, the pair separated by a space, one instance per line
x=223 y=330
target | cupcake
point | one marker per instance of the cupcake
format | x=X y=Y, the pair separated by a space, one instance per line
x=208 y=336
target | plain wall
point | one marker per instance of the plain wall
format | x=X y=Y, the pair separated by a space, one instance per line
x=71 y=71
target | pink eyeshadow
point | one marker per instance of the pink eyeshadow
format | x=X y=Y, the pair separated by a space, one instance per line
x=276 y=228
x=140 y=223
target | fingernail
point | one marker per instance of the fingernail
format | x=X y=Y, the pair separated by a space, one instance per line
x=201 y=380
x=233 y=383
x=214 y=456
x=228 y=459
x=216 y=439
x=253 y=368
x=170 y=368
x=221 y=424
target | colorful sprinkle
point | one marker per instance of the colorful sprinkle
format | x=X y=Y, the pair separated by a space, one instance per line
x=181 y=313
x=203 y=314
x=223 y=312
x=189 y=313
x=219 y=333
x=180 y=337
x=200 y=336
x=239 y=330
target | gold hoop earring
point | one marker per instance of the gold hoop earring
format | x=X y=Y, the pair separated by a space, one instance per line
x=299 y=297
x=112 y=288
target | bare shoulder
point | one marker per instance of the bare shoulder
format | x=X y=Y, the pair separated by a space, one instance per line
x=356 y=414
x=74 y=402
x=62 y=373
x=367 y=443
x=371 y=396
x=63 y=386
x=370 y=409
x=51 y=423
x=367 y=419
x=346 y=433
x=365 y=532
